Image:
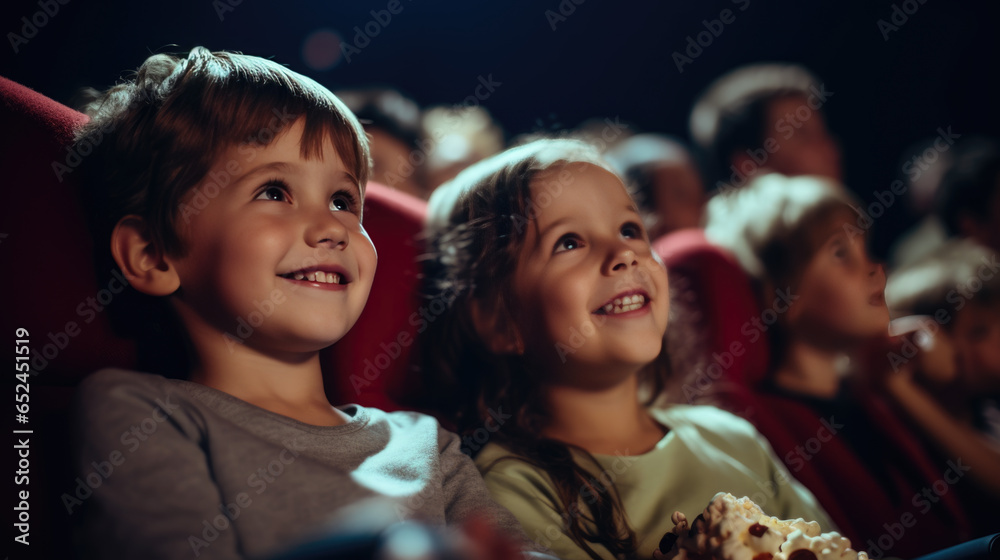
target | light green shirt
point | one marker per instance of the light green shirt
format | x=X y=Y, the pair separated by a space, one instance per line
x=706 y=450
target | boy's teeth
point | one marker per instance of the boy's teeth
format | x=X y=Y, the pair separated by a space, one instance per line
x=318 y=276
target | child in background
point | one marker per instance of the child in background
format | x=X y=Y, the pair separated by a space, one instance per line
x=392 y=122
x=553 y=346
x=951 y=389
x=764 y=118
x=458 y=136
x=664 y=180
x=968 y=202
x=799 y=236
x=230 y=193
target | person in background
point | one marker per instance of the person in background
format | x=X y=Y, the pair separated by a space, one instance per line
x=796 y=237
x=950 y=389
x=392 y=122
x=764 y=118
x=922 y=175
x=969 y=200
x=458 y=137
x=664 y=181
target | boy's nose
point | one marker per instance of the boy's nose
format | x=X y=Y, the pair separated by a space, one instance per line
x=326 y=228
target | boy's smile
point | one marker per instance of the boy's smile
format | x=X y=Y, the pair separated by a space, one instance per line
x=587 y=270
x=284 y=230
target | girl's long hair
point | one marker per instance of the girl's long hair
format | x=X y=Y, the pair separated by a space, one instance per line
x=476 y=229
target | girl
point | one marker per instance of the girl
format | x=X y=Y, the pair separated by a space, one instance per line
x=553 y=343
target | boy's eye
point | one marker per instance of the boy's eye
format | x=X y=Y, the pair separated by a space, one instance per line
x=274 y=190
x=567 y=242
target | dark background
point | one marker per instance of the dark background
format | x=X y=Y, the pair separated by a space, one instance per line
x=605 y=60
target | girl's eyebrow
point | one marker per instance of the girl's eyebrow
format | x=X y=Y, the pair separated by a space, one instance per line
x=548 y=228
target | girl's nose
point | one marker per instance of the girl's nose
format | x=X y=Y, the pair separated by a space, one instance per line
x=621 y=259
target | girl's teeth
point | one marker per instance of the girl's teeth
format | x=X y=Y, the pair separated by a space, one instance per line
x=626 y=304
x=311 y=276
x=299 y=276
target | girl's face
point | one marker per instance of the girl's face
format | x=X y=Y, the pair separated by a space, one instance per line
x=591 y=294
x=841 y=294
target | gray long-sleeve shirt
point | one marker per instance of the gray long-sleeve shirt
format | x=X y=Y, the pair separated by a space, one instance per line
x=173 y=469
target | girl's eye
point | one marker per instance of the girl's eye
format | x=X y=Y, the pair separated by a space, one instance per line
x=343 y=201
x=632 y=230
x=567 y=242
x=274 y=190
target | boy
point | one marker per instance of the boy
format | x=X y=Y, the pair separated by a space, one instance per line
x=231 y=192
x=833 y=431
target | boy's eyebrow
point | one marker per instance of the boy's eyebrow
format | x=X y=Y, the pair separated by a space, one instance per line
x=273 y=166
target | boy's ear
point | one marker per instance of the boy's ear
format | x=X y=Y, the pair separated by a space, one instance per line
x=142 y=262
x=495 y=329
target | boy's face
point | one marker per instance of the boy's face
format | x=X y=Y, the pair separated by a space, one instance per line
x=841 y=291
x=278 y=258
x=804 y=144
x=587 y=278
x=976 y=337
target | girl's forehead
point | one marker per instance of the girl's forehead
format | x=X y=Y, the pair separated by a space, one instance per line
x=563 y=176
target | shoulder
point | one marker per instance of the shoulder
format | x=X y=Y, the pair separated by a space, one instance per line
x=709 y=423
x=118 y=397
x=497 y=463
x=416 y=428
x=702 y=417
x=110 y=379
x=110 y=385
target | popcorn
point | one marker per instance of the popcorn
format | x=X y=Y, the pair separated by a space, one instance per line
x=733 y=528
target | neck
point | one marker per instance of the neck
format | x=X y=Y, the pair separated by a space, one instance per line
x=606 y=421
x=810 y=370
x=289 y=383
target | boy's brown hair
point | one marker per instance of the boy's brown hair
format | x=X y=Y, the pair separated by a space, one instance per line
x=153 y=138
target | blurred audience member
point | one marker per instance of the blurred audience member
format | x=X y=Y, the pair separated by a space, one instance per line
x=969 y=199
x=761 y=118
x=664 y=181
x=922 y=175
x=392 y=122
x=946 y=374
x=796 y=237
x=459 y=136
